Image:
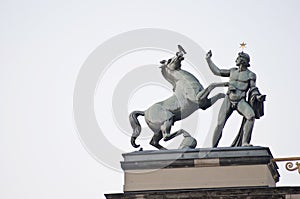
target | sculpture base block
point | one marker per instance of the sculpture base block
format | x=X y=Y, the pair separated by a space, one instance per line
x=199 y=168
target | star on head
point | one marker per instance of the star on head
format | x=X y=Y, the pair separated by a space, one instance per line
x=243 y=45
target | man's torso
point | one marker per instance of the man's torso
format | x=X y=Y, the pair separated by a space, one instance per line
x=239 y=83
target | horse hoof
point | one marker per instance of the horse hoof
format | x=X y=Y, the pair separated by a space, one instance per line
x=167 y=138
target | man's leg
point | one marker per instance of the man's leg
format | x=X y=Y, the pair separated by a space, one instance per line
x=246 y=110
x=224 y=114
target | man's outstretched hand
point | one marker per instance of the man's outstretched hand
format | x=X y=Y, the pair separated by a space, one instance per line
x=208 y=54
x=261 y=98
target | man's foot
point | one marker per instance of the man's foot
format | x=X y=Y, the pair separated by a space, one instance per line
x=247 y=145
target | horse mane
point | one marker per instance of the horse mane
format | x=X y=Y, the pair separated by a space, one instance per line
x=165 y=75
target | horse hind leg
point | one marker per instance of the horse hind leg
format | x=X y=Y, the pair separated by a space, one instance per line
x=175 y=134
x=155 y=141
x=188 y=141
x=163 y=132
x=166 y=128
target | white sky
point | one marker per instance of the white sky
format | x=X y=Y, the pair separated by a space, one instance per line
x=43 y=45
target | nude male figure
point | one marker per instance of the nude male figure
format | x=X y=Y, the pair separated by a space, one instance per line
x=241 y=82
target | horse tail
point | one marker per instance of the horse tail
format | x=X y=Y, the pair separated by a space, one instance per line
x=136 y=126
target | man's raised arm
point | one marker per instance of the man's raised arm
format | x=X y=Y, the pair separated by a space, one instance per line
x=214 y=68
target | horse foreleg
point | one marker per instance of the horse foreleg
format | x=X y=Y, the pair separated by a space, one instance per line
x=216 y=98
x=202 y=95
x=155 y=141
x=209 y=102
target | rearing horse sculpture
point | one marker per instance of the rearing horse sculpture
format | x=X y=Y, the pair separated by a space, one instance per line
x=189 y=95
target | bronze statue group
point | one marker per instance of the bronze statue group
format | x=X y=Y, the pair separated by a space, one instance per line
x=189 y=95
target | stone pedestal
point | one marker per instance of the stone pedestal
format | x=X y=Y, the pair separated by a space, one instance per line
x=199 y=168
x=214 y=173
x=216 y=193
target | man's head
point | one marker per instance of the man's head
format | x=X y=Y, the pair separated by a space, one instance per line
x=243 y=59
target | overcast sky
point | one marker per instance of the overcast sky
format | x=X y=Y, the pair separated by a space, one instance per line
x=43 y=48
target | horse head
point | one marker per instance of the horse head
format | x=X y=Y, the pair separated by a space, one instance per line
x=175 y=62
